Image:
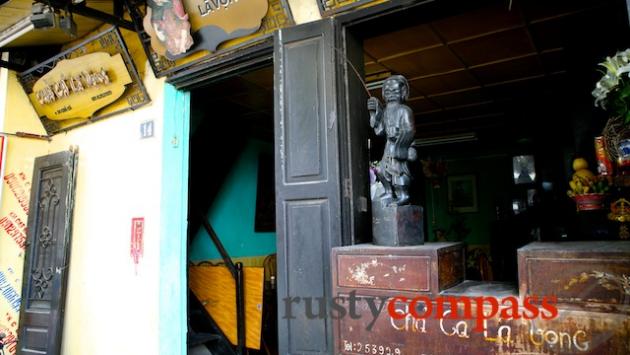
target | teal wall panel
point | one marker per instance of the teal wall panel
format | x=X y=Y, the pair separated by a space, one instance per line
x=173 y=225
x=232 y=213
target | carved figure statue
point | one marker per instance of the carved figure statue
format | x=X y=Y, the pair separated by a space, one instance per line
x=170 y=24
x=396 y=122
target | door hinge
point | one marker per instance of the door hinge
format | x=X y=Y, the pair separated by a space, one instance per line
x=347 y=188
x=363 y=204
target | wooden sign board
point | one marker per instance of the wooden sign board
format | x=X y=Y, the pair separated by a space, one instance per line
x=330 y=7
x=94 y=80
x=218 y=26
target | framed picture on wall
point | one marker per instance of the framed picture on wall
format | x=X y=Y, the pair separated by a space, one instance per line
x=462 y=193
x=523 y=169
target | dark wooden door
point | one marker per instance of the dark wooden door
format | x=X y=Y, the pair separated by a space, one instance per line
x=47 y=255
x=314 y=194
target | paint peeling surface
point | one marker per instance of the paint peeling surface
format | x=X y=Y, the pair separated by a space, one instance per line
x=573 y=332
x=13 y=230
x=385 y=272
x=592 y=285
x=19 y=186
x=359 y=273
x=430 y=268
x=10 y=341
x=593 y=276
x=10 y=295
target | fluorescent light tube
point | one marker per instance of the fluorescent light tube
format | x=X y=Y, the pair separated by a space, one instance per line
x=455 y=138
x=15 y=31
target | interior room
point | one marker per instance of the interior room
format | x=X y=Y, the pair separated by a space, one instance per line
x=502 y=102
x=232 y=187
x=493 y=90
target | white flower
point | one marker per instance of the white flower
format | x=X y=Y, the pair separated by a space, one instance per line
x=615 y=68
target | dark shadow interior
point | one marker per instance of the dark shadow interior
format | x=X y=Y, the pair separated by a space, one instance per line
x=225 y=115
x=490 y=82
x=231 y=185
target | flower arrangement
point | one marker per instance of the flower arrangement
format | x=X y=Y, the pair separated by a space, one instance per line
x=612 y=91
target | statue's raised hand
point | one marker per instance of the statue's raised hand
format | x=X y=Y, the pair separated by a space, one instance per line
x=376 y=113
x=373 y=104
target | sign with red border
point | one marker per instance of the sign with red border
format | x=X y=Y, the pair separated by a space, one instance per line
x=137 y=239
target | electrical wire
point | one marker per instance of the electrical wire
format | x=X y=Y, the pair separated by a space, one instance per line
x=28 y=135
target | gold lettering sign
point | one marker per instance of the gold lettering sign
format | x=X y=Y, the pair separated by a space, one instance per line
x=76 y=88
x=329 y=7
x=212 y=22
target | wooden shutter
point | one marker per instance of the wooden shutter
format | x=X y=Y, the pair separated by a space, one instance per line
x=312 y=192
x=47 y=255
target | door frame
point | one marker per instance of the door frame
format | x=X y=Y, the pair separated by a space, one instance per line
x=175 y=160
x=173 y=293
x=174 y=214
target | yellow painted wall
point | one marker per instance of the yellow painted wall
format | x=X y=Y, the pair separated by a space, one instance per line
x=112 y=306
x=12 y=242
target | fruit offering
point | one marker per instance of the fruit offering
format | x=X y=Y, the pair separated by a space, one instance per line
x=585 y=182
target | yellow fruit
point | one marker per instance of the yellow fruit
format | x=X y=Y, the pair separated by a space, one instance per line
x=584 y=174
x=579 y=164
x=578 y=187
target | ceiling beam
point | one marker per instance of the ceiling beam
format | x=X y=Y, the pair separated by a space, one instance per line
x=566 y=14
x=484 y=34
x=477 y=87
x=460 y=120
x=405 y=53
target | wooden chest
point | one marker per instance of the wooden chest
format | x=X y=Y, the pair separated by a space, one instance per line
x=367 y=278
x=378 y=270
x=583 y=275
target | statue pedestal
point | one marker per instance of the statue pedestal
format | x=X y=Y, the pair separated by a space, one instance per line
x=397 y=225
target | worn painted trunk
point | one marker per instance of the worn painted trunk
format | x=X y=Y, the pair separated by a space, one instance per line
x=585 y=283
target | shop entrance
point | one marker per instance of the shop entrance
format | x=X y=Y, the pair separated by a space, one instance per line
x=502 y=100
x=231 y=194
x=501 y=95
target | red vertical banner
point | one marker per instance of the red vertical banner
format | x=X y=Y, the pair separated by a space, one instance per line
x=137 y=243
x=3 y=155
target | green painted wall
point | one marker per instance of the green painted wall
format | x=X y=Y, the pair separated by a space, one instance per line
x=232 y=213
x=493 y=174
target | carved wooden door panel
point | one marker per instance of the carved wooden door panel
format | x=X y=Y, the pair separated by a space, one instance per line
x=47 y=255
